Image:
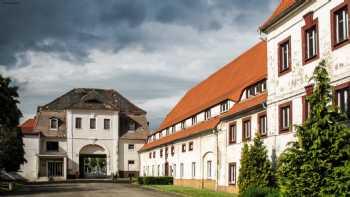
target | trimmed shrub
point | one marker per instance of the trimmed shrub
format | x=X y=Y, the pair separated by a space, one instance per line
x=255 y=191
x=140 y=180
x=152 y=180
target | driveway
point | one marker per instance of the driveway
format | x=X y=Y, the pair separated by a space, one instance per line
x=86 y=190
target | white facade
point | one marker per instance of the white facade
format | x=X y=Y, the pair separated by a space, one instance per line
x=281 y=88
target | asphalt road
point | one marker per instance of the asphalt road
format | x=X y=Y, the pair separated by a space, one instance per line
x=86 y=190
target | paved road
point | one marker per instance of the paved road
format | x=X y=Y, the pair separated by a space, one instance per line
x=86 y=190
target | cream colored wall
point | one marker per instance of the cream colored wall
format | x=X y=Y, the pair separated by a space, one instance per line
x=29 y=170
x=125 y=155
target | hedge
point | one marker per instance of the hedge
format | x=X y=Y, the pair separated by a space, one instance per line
x=152 y=180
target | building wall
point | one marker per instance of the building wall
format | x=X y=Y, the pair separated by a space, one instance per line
x=125 y=155
x=29 y=170
x=79 y=138
x=291 y=86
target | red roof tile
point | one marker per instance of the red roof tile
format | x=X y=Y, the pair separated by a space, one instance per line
x=190 y=131
x=226 y=83
x=283 y=6
x=28 y=127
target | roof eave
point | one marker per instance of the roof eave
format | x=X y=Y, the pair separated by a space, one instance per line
x=265 y=27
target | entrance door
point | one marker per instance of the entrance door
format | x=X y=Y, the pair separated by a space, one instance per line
x=93 y=166
x=54 y=168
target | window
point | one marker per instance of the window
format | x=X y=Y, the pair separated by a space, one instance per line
x=154 y=154
x=193 y=169
x=224 y=106
x=207 y=114
x=106 y=124
x=256 y=89
x=342 y=97
x=152 y=170
x=340 y=25
x=181 y=170
x=174 y=170
x=150 y=155
x=166 y=151
x=131 y=162
x=161 y=153
x=132 y=125
x=305 y=103
x=160 y=134
x=194 y=120
x=262 y=118
x=78 y=123
x=167 y=131
x=158 y=170
x=190 y=146
x=54 y=123
x=284 y=56
x=172 y=150
x=232 y=173
x=208 y=169
x=131 y=146
x=183 y=147
x=310 y=39
x=173 y=129
x=232 y=133
x=92 y=123
x=285 y=117
x=52 y=146
x=246 y=129
x=183 y=125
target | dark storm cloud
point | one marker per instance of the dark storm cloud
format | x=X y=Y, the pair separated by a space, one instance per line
x=70 y=28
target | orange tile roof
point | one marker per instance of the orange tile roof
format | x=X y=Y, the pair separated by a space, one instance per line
x=190 y=131
x=283 y=6
x=28 y=127
x=226 y=83
x=246 y=104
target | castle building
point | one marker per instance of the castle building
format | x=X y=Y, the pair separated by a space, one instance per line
x=86 y=133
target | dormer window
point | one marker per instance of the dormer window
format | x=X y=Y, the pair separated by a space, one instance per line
x=167 y=131
x=173 y=129
x=53 y=123
x=224 y=106
x=183 y=125
x=256 y=89
x=207 y=114
x=194 y=120
x=132 y=125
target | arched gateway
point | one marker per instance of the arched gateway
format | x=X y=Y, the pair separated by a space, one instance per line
x=93 y=161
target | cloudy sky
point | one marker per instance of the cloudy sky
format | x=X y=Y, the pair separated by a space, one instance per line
x=151 y=51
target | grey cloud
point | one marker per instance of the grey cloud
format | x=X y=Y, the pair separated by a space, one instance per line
x=70 y=28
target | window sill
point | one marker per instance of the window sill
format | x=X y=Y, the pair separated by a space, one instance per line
x=285 y=71
x=232 y=184
x=311 y=59
x=340 y=44
x=286 y=130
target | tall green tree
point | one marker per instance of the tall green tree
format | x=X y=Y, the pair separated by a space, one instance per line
x=11 y=143
x=318 y=163
x=255 y=170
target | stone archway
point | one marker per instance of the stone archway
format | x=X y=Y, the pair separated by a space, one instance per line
x=93 y=161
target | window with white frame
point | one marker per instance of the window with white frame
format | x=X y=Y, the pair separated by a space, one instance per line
x=232 y=133
x=342 y=100
x=232 y=173
x=131 y=146
x=132 y=125
x=284 y=55
x=181 y=170
x=311 y=42
x=173 y=129
x=209 y=169
x=193 y=169
x=183 y=125
x=262 y=124
x=341 y=25
x=246 y=129
x=285 y=117
x=92 y=123
x=167 y=131
x=224 y=106
x=174 y=170
x=194 y=120
x=54 y=123
x=207 y=114
x=106 y=124
x=78 y=123
x=158 y=170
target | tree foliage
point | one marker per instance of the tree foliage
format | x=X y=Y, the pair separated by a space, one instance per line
x=318 y=163
x=11 y=144
x=255 y=169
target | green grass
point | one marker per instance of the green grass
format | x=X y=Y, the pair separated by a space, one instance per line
x=188 y=191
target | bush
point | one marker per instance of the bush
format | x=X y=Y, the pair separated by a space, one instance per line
x=151 y=180
x=255 y=191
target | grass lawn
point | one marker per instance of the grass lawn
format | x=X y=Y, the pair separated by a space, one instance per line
x=188 y=191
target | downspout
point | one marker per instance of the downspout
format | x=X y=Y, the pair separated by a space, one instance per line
x=217 y=158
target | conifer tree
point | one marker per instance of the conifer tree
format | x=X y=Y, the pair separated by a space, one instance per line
x=255 y=170
x=318 y=163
